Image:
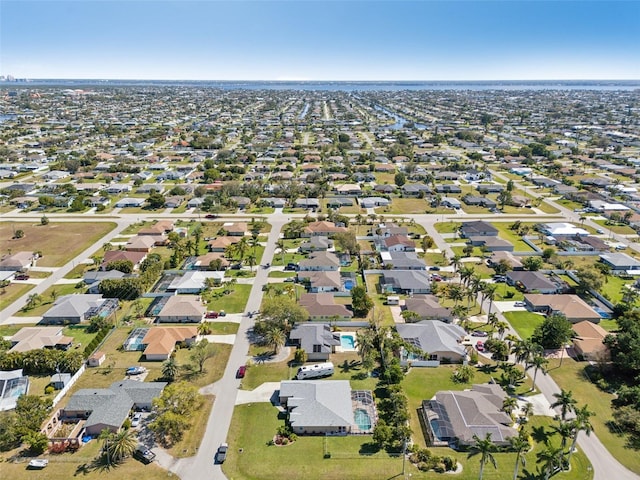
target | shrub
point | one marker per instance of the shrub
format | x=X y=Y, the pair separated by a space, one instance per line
x=49 y=390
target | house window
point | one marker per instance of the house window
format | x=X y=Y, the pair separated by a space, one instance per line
x=317 y=349
x=433 y=357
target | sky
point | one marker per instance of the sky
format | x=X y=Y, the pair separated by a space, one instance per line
x=358 y=40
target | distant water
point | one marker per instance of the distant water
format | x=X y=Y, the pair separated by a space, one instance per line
x=345 y=86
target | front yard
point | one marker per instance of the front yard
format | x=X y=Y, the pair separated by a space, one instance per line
x=524 y=322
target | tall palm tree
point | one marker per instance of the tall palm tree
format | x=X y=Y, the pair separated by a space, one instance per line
x=565 y=401
x=537 y=362
x=122 y=444
x=455 y=261
x=485 y=448
x=276 y=338
x=509 y=404
x=283 y=250
x=580 y=424
x=489 y=291
x=520 y=445
x=455 y=293
x=501 y=328
x=565 y=430
x=466 y=273
x=551 y=457
x=240 y=248
x=170 y=369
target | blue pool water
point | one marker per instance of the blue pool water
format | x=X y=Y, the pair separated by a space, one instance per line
x=435 y=426
x=347 y=342
x=362 y=419
x=348 y=284
x=602 y=313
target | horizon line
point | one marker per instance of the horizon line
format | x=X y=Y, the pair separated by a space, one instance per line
x=320 y=80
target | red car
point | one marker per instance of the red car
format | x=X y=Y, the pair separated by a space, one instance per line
x=480 y=346
x=242 y=370
x=211 y=315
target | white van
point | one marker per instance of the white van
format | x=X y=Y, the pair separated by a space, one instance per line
x=315 y=371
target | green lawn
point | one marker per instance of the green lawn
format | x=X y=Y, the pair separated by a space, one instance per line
x=448 y=227
x=47 y=299
x=235 y=302
x=506 y=292
x=511 y=236
x=278 y=274
x=79 y=334
x=12 y=292
x=616 y=228
x=571 y=376
x=223 y=328
x=524 y=322
x=614 y=287
x=401 y=206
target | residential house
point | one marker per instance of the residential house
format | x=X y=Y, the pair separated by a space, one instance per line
x=513 y=261
x=318 y=407
x=159 y=343
x=108 y=408
x=38 y=338
x=478 y=228
x=489 y=188
x=620 y=263
x=427 y=307
x=319 y=282
x=316 y=339
x=479 y=201
x=236 y=229
x=571 y=306
x=322 y=229
x=320 y=261
x=136 y=258
x=130 y=202
x=348 y=189
x=322 y=306
x=532 y=282
x=408 y=282
x=307 y=203
x=203 y=262
x=562 y=229
x=588 y=341
x=386 y=230
x=473 y=175
x=462 y=416
x=316 y=244
x=395 y=243
x=220 y=244
x=182 y=309
x=18 y=262
x=372 y=202
x=76 y=308
x=402 y=261
x=338 y=202
x=439 y=342
x=451 y=202
x=491 y=244
x=194 y=281
x=140 y=243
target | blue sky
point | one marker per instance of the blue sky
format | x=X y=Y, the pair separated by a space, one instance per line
x=321 y=40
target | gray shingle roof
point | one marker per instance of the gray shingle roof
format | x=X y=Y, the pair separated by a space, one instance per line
x=321 y=403
x=433 y=336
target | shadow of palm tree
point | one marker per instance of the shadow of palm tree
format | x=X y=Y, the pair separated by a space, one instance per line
x=347 y=366
x=539 y=434
x=488 y=369
x=369 y=448
x=527 y=475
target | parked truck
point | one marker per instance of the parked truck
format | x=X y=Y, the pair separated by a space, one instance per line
x=315 y=371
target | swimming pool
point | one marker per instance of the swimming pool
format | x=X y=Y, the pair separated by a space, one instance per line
x=348 y=284
x=362 y=419
x=435 y=426
x=602 y=313
x=347 y=342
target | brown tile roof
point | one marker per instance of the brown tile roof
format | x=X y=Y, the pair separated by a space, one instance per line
x=162 y=340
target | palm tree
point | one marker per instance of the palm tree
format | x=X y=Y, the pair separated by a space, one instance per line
x=122 y=444
x=489 y=292
x=283 y=250
x=565 y=401
x=204 y=328
x=455 y=261
x=276 y=338
x=520 y=445
x=580 y=424
x=524 y=350
x=455 y=293
x=501 y=328
x=537 y=362
x=466 y=273
x=240 y=248
x=509 y=404
x=485 y=448
x=170 y=369
x=552 y=459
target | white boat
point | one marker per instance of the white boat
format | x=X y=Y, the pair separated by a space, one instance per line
x=38 y=463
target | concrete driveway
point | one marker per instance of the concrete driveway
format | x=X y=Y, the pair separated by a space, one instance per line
x=263 y=393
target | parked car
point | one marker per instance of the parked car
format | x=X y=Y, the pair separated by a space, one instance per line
x=221 y=454
x=434 y=268
x=242 y=370
x=143 y=454
x=599 y=230
x=266 y=265
x=21 y=276
x=518 y=304
x=479 y=333
x=289 y=279
x=291 y=266
x=211 y=215
x=480 y=346
x=136 y=370
x=211 y=315
x=135 y=421
x=222 y=313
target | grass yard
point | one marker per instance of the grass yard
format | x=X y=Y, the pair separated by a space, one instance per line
x=571 y=376
x=235 y=302
x=82 y=464
x=79 y=334
x=59 y=242
x=524 y=322
x=401 y=206
x=379 y=299
x=192 y=438
x=620 y=228
x=278 y=274
x=448 y=227
x=223 y=328
x=507 y=292
x=48 y=299
x=506 y=234
x=259 y=373
x=12 y=292
x=614 y=287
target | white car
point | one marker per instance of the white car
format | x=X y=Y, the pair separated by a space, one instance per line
x=135 y=421
x=518 y=304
